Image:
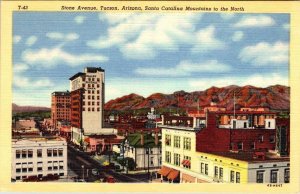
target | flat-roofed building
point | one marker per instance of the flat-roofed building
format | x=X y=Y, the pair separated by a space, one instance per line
x=38 y=157
x=60 y=107
x=87 y=101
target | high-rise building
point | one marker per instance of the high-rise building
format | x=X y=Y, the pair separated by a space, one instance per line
x=87 y=101
x=60 y=107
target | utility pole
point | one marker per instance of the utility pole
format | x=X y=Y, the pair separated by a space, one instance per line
x=148 y=162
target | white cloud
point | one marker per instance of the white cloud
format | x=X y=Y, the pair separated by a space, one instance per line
x=20 y=67
x=17 y=39
x=30 y=96
x=143 y=36
x=258 y=80
x=237 y=36
x=51 y=57
x=286 y=26
x=79 y=19
x=255 y=21
x=265 y=53
x=31 y=40
x=206 y=40
x=62 y=37
x=227 y=16
x=185 y=68
x=25 y=82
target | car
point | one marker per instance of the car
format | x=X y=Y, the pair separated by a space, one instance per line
x=109 y=179
x=95 y=171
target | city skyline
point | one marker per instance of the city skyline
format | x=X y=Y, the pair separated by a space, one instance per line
x=147 y=53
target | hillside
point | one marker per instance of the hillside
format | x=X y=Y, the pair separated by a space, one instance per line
x=19 y=109
x=276 y=97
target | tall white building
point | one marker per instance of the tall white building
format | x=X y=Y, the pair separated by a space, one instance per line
x=87 y=102
x=38 y=157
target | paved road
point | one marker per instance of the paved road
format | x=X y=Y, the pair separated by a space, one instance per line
x=77 y=159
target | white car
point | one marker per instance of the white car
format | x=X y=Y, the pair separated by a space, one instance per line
x=95 y=171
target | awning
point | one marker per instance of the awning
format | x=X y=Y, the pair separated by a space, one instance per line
x=164 y=171
x=186 y=163
x=173 y=174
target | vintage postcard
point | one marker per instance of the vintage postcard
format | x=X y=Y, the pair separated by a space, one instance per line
x=152 y=96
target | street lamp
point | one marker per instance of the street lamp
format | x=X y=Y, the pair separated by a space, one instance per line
x=82 y=172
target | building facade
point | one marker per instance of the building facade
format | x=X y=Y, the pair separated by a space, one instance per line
x=195 y=153
x=38 y=157
x=60 y=107
x=144 y=149
x=179 y=150
x=87 y=102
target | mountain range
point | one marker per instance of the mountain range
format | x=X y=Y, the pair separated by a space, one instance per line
x=18 y=109
x=275 y=97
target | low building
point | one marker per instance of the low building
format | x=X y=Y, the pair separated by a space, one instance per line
x=243 y=167
x=144 y=149
x=25 y=124
x=38 y=157
x=193 y=152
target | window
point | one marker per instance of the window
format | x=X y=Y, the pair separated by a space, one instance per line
x=240 y=146
x=260 y=176
x=252 y=145
x=151 y=161
x=274 y=176
x=216 y=172
x=18 y=178
x=39 y=153
x=269 y=124
x=168 y=140
x=202 y=168
x=261 y=138
x=221 y=173
x=18 y=170
x=206 y=169
x=60 y=152
x=39 y=168
x=238 y=177
x=168 y=157
x=187 y=143
x=272 y=139
x=177 y=141
x=24 y=153
x=232 y=176
x=54 y=152
x=18 y=153
x=61 y=174
x=30 y=153
x=176 y=159
x=286 y=175
x=24 y=169
x=49 y=152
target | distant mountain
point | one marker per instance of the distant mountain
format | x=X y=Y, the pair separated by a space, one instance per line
x=276 y=97
x=17 y=109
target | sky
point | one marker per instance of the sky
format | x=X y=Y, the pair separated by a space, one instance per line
x=146 y=53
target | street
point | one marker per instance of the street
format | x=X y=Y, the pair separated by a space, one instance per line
x=82 y=164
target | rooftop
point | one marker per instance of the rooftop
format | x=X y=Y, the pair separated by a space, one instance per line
x=249 y=156
x=61 y=93
x=38 y=139
x=135 y=140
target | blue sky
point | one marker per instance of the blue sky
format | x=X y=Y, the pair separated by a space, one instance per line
x=145 y=53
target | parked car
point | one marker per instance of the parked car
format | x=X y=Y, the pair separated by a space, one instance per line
x=109 y=179
x=95 y=171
